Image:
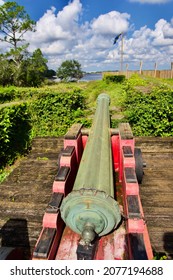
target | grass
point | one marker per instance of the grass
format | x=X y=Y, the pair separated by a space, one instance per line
x=94 y=88
x=91 y=90
x=42 y=158
x=8 y=169
x=4 y=173
x=116 y=91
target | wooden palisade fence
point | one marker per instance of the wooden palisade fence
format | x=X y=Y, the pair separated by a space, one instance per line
x=163 y=74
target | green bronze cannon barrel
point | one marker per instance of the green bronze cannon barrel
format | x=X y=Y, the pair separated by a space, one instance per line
x=90 y=208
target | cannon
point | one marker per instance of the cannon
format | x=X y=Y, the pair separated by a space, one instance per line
x=90 y=209
x=95 y=211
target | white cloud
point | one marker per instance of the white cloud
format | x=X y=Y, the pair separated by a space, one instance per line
x=151 y=1
x=147 y=45
x=52 y=27
x=168 y=29
x=1 y=2
x=70 y=14
x=48 y=29
x=160 y=34
x=111 y=23
x=61 y=36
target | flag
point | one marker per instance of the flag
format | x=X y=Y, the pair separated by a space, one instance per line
x=116 y=38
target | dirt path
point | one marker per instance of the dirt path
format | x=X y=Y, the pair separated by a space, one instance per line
x=11 y=103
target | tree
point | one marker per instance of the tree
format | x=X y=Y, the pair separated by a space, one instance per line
x=14 y=23
x=70 y=70
x=6 y=71
x=19 y=67
x=50 y=73
x=31 y=71
x=36 y=69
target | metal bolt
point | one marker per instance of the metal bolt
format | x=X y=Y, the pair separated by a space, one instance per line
x=88 y=233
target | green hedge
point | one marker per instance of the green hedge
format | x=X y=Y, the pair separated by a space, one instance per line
x=53 y=113
x=47 y=114
x=12 y=93
x=15 y=130
x=150 y=114
x=114 y=78
x=6 y=95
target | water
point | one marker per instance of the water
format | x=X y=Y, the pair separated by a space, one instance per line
x=87 y=77
x=91 y=77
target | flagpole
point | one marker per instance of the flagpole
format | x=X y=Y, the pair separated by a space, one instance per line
x=122 y=52
x=122 y=48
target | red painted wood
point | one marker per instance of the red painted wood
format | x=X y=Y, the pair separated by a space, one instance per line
x=136 y=225
x=115 y=151
x=77 y=143
x=84 y=140
x=50 y=220
x=68 y=245
x=112 y=246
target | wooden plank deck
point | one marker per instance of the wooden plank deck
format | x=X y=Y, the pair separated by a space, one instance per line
x=26 y=193
x=156 y=191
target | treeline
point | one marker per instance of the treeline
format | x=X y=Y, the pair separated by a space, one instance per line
x=31 y=71
x=17 y=66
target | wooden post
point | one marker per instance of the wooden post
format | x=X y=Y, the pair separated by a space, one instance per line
x=140 y=69
x=127 y=70
x=171 y=70
x=155 y=69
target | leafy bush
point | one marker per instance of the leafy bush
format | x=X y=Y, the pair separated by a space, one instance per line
x=12 y=93
x=136 y=80
x=53 y=113
x=7 y=94
x=114 y=78
x=48 y=113
x=150 y=114
x=14 y=132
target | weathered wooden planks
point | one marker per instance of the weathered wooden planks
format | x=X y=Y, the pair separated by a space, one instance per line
x=157 y=191
x=25 y=194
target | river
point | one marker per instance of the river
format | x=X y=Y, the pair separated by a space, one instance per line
x=91 y=77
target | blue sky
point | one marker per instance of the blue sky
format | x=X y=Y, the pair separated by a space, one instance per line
x=84 y=30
